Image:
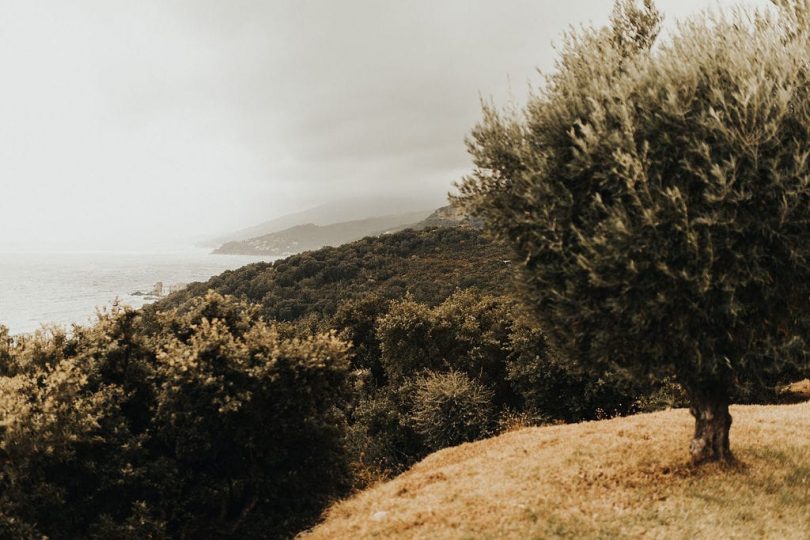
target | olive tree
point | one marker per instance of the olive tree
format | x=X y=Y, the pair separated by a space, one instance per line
x=658 y=194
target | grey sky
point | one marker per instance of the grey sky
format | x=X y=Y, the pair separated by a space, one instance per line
x=126 y=122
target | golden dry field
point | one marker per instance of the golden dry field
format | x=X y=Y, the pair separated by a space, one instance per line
x=619 y=478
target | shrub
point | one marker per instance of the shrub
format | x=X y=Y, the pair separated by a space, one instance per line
x=450 y=408
x=407 y=344
x=356 y=320
x=473 y=333
x=468 y=332
x=382 y=438
x=70 y=450
x=215 y=427
x=252 y=425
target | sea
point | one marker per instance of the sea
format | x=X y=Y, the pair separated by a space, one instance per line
x=61 y=289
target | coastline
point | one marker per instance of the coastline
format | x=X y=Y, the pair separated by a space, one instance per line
x=52 y=288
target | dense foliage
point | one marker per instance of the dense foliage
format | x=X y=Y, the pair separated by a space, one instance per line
x=465 y=369
x=216 y=427
x=659 y=197
x=196 y=418
x=428 y=264
x=658 y=200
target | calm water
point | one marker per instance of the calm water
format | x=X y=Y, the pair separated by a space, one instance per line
x=37 y=288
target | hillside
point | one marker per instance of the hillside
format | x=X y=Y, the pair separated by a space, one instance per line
x=429 y=264
x=334 y=212
x=449 y=216
x=310 y=236
x=625 y=477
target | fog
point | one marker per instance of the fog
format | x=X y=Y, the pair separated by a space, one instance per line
x=136 y=124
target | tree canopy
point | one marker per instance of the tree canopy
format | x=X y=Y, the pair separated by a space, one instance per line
x=658 y=192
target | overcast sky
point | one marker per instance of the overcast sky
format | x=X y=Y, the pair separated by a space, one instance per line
x=128 y=122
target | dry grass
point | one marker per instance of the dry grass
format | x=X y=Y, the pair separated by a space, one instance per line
x=626 y=477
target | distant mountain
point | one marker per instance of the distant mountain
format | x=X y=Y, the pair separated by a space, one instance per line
x=310 y=236
x=331 y=213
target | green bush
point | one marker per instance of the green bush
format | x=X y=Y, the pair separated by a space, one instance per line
x=407 y=343
x=383 y=440
x=356 y=321
x=450 y=409
x=468 y=332
x=216 y=427
x=71 y=442
x=252 y=424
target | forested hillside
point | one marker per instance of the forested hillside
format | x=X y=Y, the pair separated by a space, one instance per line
x=442 y=352
x=428 y=264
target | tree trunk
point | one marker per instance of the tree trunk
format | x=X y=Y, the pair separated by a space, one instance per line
x=709 y=406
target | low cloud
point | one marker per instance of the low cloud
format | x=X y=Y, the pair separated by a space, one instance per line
x=134 y=120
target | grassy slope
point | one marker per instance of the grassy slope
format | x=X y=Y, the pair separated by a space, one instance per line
x=625 y=477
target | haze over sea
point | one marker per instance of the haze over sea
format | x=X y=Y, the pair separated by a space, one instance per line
x=66 y=288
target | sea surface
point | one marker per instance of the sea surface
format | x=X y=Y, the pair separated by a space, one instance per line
x=66 y=288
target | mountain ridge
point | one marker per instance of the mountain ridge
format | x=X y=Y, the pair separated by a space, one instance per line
x=328 y=214
x=309 y=236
